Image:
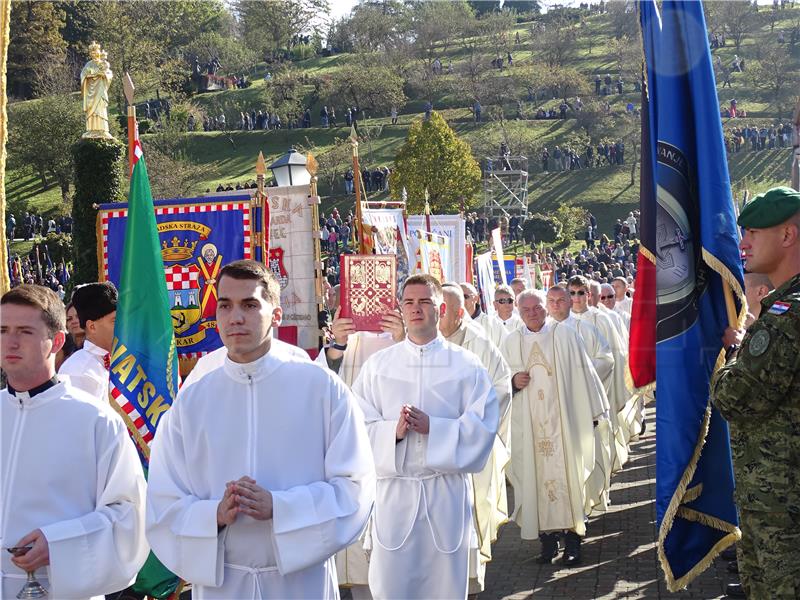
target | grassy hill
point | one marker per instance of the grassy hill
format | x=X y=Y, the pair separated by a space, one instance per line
x=608 y=191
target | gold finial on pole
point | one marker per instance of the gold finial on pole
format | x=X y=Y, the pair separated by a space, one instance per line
x=261 y=173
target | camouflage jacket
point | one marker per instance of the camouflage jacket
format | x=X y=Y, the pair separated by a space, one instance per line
x=758 y=392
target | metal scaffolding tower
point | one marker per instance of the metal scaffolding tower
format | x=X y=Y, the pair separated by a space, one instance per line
x=505 y=186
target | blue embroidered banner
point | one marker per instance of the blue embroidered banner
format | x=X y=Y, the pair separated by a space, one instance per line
x=198 y=236
x=696 y=255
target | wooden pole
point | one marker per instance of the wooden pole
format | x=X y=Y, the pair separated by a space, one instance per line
x=357 y=188
x=128 y=88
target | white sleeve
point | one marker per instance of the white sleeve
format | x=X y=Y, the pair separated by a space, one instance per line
x=181 y=528
x=463 y=445
x=101 y=552
x=312 y=522
x=387 y=452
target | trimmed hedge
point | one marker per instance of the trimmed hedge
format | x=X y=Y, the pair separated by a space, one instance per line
x=98 y=179
x=541 y=228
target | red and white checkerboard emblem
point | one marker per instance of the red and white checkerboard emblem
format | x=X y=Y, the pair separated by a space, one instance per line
x=182 y=278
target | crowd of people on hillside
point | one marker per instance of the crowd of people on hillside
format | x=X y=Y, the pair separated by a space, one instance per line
x=37 y=267
x=754 y=138
x=374 y=179
x=568 y=159
x=248 y=185
x=31 y=225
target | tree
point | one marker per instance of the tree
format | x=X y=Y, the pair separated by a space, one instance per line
x=483 y=7
x=623 y=18
x=78 y=28
x=594 y=119
x=172 y=175
x=130 y=50
x=541 y=228
x=41 y=135
x=556 y=43
x=572 y=219
x=285 y=94
x=35 y=42
x=776 y=73
x=566 y=83
x=739 y=19
x=496 y=28
x=149 y=39
x=333 y=163
x=523 y=6
x=269 y=27
x=234 y=56
x=435 y=158
x=374 y=27
x=374 y=88
x=627 y=56
x=437 y=25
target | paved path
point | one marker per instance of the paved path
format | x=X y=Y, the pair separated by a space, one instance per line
x=619 y=556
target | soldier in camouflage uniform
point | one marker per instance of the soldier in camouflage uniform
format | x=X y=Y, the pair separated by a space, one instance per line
x=758 y=392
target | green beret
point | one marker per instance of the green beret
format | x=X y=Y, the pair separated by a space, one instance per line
x=771 y=208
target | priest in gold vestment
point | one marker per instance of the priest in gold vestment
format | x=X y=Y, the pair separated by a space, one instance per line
x=552 y=422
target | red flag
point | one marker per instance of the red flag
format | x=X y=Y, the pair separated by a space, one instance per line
x=642 y=348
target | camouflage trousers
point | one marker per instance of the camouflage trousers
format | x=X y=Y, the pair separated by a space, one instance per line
x=768 y=554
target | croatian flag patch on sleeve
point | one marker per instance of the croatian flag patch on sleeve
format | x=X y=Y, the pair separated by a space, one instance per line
x=779 y=308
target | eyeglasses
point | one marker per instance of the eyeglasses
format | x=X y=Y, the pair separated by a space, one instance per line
x=505 y=301
x=577 y=292
x=607 y=297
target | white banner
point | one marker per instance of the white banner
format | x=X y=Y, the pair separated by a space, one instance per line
x=291 y=258
x=497 y=243
x=486 y=280
x=435 y=255
x=454 y=228
x=389 y=237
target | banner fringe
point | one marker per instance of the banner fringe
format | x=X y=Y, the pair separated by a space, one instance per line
x=674 y=508
x=725 y=273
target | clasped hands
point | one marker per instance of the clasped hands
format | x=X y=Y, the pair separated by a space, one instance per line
x=244 y=496
x=412 y=419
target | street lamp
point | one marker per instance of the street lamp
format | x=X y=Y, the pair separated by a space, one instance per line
x=290 y=169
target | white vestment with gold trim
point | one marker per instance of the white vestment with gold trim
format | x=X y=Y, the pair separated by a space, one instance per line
x=552 y=440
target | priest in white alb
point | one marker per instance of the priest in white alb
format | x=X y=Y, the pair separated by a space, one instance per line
x=491 y=500
x=261 y=471
x=608 y=299
x=504 y=321
x=596 y=301
x=616 y=388
x=432 y=416
x=623 y=304
x=345 y=356
x=598 y=485
x=552 y=439
x=72 y=485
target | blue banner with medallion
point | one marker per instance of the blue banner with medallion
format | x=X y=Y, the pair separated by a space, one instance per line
x=697 y=257
x=198 y=236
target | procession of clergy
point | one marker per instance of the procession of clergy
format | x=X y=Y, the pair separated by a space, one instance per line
x=381 y=466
